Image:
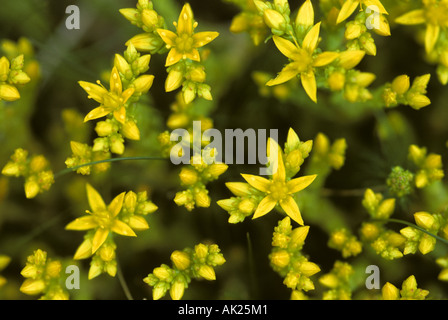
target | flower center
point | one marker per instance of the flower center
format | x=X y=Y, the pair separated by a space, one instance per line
x=278 y=190
x=103 y=219
x=184 y=43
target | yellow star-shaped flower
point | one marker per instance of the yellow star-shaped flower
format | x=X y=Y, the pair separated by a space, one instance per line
x=303 y=61
x=184 y=44
x=278 y=190
x=434 y=14
x=113 y=100
x=102 y=218
x=350 y=6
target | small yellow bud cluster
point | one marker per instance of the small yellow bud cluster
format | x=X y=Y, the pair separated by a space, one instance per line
x=42 y=277
x=376 y=206
x=338 y=282
x=35 y=170
x=103 y=261
x=358 y=36
x=275 y=15
x=83 y=154
x=12 y=76
x=418 y=240
x=389 y=245
x=409 y=291
x=429 y=166
x=24 y=47
x=296 y=152
x=342 y=77
x=342 y=240
x=287 y=260
x=326 y=156
x=195 y=177
x=4 y=261
x=243 y=204
x=197 y=263
x=145 y=17
x=249 y=20
x=135 y=207
x=400 y=92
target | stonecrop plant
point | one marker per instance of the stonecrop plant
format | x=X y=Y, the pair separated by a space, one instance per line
x=135 y=132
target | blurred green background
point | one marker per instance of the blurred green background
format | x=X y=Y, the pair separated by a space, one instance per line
x=66 y=56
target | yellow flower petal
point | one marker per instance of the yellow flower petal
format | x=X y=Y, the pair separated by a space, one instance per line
x=325 y=58
x=347 y=9
x=286 y=47
x=99 y=238
x=257 y=182
x=82 y=223
x=240 y=189
x=431 y=36
x=200 y=39
x=292 y=209
x=298 y=184
x=128 y=93
x=115 y=82
x=120 y=115
x=185 y=22
x=305 y=16
x=97 y=113
x=309 y=84
x=173 y=57
x=96 y=202
x=279 y=173
x=350 y=58
x=193 y=54
x=94 y=91
x=138 y=223
x=169 y=37
x=122 y=228
x=311 y=39
x=412 y=17
x=264 y=207
x=116 y=204
x=288 y=72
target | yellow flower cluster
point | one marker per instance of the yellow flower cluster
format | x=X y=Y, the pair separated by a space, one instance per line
x=197 y=263
x=400 y=92
x=43 y=276
x=184 y=61
x=35 y=170
x=11 y=76
x=124 y=215
x=195 y=177
x=287 y=260
x=343 y=240
x=409 y=291
x=338 y=282
x=433 y=16
x=279 y=190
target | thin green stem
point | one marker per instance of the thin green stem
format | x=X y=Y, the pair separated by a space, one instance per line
x=123 y=283
x=68 y=170
x=445 y=241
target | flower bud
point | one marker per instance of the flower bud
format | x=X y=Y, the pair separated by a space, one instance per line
x=274 y=19
x=32 y=287
x=401 y=84
x=424 y=220
x=180 y=259
x=32 y=188
x=390 y=292
x=130 y=130
x=280 y=258
x=207 y=272
x=177 y=290
x=149 y=18
x=9 y=93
